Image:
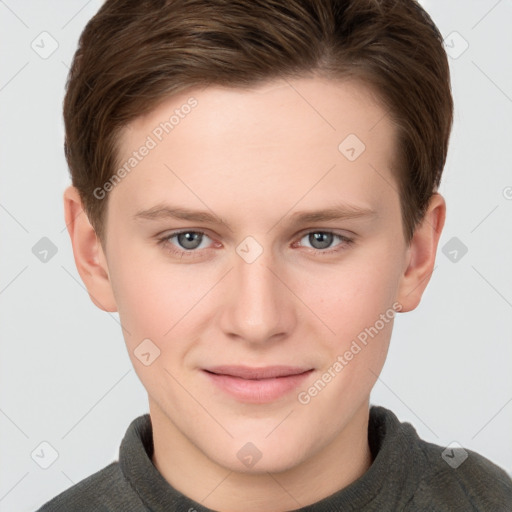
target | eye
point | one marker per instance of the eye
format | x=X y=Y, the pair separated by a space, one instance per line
x=321 y=240
x=191 y=243
x=186 y=241
x=189 y=240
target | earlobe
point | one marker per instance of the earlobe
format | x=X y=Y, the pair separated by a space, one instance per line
x=421 y=254
x=88 y=253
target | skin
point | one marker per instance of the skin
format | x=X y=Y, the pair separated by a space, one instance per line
x=254 y=157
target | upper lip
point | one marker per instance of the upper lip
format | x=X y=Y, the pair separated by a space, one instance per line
x=264 y=372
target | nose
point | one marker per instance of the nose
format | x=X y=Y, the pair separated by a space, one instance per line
x=258 y=305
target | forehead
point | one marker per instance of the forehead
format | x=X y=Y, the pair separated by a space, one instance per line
x=334 y=105
x=283 y=137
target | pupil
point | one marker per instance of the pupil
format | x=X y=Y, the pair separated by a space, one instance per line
x=323 y=239
x=189 y=240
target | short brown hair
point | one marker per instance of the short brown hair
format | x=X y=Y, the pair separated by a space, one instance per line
x=135 y=53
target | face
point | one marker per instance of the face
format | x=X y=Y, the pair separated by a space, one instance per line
x=263 y=323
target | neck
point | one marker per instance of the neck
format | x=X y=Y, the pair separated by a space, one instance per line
x=191 y=472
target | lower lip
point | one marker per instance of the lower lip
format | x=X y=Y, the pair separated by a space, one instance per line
x=258 y=391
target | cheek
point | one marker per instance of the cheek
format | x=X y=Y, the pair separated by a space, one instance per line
x=354 y=356
x=160 y=301
x=352 y=296
x=143 y=308
x=164 y=301
x=157 y=305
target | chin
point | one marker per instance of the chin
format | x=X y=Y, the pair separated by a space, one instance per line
x=271 y=464
x=260 y=457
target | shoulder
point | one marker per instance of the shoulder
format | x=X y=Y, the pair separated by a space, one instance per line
x=463 y=479
x=431 y=477
x=105 y=490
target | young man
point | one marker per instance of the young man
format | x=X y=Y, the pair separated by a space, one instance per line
x=259 y=180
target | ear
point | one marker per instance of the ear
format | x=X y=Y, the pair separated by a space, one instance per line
x=90 y=260
x=421 y=254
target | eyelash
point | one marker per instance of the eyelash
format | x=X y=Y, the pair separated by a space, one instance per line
x=192 y=253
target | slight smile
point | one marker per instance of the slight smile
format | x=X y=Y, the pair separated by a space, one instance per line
x=257 y=385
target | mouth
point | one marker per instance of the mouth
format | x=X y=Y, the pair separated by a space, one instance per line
x=257 y=385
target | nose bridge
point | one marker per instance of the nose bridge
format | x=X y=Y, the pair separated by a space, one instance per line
x=259 y=305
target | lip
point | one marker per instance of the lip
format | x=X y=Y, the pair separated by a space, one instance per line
x=257 y=385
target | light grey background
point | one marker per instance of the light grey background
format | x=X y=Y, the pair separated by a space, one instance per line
x=65 y=376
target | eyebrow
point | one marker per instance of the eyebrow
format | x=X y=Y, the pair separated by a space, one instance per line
x=338 y=212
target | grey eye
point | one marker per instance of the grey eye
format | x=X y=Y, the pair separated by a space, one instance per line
x=189 y=239
x=320 y=239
